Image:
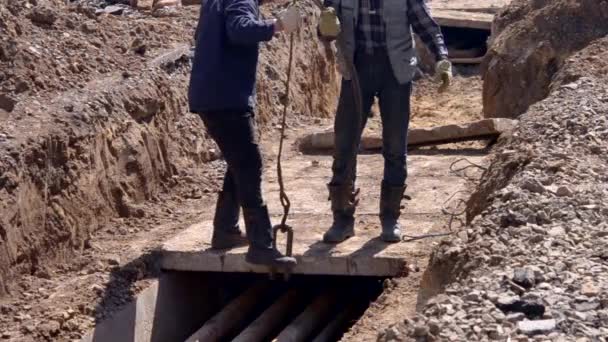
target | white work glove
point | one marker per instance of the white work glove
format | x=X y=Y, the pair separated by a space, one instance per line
x=289 y=20
x=443 y=74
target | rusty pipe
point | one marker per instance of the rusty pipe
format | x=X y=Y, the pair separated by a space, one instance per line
x=231 y=317
x=310 y=319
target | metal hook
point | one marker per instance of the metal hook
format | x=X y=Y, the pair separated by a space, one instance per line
x=288 y=248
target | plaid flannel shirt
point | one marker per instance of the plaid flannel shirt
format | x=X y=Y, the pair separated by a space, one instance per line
x=371 y=32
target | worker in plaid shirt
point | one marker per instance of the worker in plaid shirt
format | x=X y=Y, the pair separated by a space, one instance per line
x=376 y=35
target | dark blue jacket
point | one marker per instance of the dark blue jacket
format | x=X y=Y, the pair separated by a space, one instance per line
x=226 y=55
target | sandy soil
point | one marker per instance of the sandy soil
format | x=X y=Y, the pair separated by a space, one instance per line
x=119 y=259
x=80 y=126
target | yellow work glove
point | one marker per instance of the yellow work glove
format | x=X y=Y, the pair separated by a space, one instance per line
x=329 y=24
x=443 y=74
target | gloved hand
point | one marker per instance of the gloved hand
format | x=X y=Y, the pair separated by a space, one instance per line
x=443 y=73
x=329 y=24
x=289 y=20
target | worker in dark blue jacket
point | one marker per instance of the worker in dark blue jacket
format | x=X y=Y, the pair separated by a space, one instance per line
x=222 y=92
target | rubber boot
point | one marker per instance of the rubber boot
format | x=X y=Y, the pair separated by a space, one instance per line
x=226 y=231
x=343 y=203
x=390 y=210
x=259 y=233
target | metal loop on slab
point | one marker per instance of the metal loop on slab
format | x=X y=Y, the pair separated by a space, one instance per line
x=288 y=248
x=287 y=230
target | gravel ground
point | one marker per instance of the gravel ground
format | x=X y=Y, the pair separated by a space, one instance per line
x=535 y=263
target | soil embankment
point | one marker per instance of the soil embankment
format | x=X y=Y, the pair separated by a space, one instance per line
x=94 y=125
x=532 y=41
x=533 y=264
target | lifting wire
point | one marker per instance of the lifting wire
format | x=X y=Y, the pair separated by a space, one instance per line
x=445 y=210
x=283 y=227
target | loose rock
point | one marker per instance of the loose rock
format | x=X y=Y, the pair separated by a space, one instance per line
x=524 y=277
x=590 y=290
x=542 y=327
x=564 y=191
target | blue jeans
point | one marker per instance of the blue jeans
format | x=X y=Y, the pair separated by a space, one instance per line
x=377 y=80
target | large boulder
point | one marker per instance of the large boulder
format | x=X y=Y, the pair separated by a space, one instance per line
x=531 y=41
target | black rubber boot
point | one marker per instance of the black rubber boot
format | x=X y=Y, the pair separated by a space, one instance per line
x=343 y=203
x=226 y=231
x=259 y=232
x=390 y=210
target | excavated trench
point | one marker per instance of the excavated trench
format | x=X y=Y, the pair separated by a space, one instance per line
x=190 y=303
x=203 y=306
x=466 y=44
x=187 y=306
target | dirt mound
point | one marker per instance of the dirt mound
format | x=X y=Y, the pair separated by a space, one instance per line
x=502 y=169
x=532 y=41
x=589 y=63
x=94 y=120
x=536 y=254
x=82 y=138
x=49 y=47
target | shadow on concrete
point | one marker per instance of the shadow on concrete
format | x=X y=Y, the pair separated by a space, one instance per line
x=320 y=248
x=171 y=308
x=120 y=292
x=371 y=248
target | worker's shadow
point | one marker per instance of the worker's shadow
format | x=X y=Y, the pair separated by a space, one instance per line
x=369 y=249
x=118 y=292
x=319 y=248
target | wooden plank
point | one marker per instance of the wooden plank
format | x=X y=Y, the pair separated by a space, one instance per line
x=477 y=130
x=473 y=20
x=465 y=53
x=484 y=6
x=474 y=60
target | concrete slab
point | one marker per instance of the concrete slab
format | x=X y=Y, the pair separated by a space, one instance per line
x=363 y=255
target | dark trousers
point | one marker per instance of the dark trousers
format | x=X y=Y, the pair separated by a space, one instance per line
x=235 y=134
x=377 y=80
